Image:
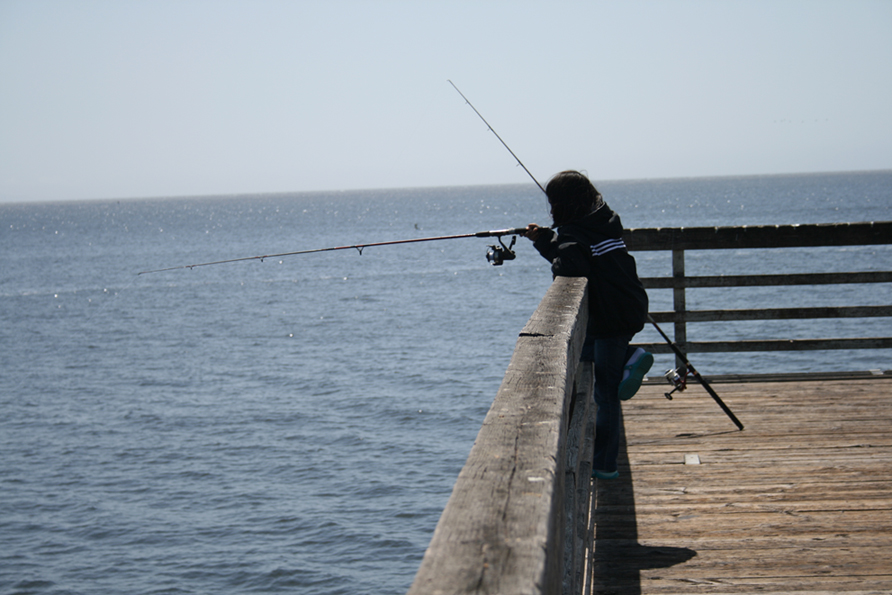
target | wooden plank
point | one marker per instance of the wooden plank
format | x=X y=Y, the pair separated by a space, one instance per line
x=774 y=345
x=715 y=503
x=818 y=540
x=773 y=314
x=768 y=561
x=736 y=585
x=766 y=280
x=760 y=236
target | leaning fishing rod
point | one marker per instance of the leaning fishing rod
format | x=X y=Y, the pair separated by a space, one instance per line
x=497 y=253
x=676 y=377
x=679 y=377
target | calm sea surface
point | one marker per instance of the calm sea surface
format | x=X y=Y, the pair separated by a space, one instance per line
x=296 y=425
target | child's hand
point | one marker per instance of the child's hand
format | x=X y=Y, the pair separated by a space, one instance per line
x=532 y=231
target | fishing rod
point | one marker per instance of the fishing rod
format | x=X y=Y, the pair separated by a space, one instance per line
x=504 y=144
x=678 y=377
x=496 y=255
x=675 y=377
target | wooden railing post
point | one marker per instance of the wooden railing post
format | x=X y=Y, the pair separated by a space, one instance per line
x=678 y=303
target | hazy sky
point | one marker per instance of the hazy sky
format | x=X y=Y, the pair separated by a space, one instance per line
x=118 y=99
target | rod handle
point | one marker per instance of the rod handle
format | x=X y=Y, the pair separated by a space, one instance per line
x=517 y=231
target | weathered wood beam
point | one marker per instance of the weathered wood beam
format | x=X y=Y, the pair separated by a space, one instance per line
x=502 y=529
x=759 y=236
x=578 y=536
x=774 y=314
x=773 y=345
x=766 y=280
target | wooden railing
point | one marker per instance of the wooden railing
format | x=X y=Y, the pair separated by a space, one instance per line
x=679 y=240
x=517 y=520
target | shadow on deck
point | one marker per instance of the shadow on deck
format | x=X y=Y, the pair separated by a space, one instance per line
x=619 y=557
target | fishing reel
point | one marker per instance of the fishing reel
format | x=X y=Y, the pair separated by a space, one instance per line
x=678 y=379
x=499 y=254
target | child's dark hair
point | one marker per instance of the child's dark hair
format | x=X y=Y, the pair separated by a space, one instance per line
x=571 y=196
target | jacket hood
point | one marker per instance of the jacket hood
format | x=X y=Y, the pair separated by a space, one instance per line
x=602 y=221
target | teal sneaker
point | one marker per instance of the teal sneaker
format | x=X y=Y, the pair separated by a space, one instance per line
x=633 y=373
x=604 y=474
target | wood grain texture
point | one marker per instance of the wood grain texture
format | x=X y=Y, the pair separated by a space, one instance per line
x=799 y=502
x=678 y=240
x=759 y=236
x=502 y=529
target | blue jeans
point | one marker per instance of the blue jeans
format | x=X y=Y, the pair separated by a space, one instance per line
x=610 y=356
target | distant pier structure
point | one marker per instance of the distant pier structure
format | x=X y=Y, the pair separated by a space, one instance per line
x=800 y=501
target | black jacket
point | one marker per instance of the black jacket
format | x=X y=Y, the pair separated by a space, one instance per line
x=593 y=247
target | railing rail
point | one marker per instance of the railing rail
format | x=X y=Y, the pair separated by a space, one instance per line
x=679 y=240
x=516 y=520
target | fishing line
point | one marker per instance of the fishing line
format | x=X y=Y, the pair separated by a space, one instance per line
x=504 y=144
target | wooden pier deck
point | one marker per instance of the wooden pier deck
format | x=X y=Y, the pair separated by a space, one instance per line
x=798 y=502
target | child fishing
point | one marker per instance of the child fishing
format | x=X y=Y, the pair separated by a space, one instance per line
x=589 y=243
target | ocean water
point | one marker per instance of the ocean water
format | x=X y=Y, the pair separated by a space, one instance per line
x=296 y=425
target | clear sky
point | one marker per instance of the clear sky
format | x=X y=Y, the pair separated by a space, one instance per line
x=139 y=98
